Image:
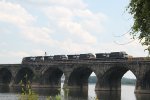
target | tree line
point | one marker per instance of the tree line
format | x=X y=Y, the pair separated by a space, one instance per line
x=126 y=81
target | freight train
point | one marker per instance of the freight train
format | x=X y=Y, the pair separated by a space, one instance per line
x=87 y=56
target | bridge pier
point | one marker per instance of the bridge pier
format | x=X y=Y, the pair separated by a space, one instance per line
x=142 y=91
x=76 y=84
x=142 y=87
x=106 y=85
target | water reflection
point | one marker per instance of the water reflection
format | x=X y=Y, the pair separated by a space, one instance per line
x=106 y=95
x=4 y=89
x=142 y=96
x=78 y=94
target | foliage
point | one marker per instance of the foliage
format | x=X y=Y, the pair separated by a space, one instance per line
x=57 y=97
x=140 y=9
x=27 y=93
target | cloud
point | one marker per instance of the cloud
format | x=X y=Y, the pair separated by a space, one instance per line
x=76 y=30
x=69 y=3
x=14 y=14
x=70 y=47
x=66 y=3
x=80 y=24
x=38 y=35
x=91 y=21
x=3 y=44
x=12 y=57
x=65 y=18
x=13 y=54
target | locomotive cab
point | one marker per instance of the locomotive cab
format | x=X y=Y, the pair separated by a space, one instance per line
x=28 y=59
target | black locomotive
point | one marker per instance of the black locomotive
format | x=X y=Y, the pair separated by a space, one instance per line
x=28 y=59
x=87 y=56
x=39 y=59
x=48 y=58
x=60 y=57
x=73 y=57
x=102 y=55
x=118 y=55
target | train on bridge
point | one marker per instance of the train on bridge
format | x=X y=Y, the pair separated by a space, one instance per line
x=87 y=56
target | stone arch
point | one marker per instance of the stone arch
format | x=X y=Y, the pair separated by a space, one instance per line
x=111 y=79
x=24 y=74
x=5 y=76
x=79 y=77
x=52 y=77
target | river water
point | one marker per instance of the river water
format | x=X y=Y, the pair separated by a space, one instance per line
x=127 y=93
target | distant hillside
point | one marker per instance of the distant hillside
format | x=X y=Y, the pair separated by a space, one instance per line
x=92 y=79
x=127 y=81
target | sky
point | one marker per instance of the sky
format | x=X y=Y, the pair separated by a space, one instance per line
x=33 y=27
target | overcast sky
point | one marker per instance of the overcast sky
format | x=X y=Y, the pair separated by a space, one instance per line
x=32 y=27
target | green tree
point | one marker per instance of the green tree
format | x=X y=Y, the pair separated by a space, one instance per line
x=140 y=9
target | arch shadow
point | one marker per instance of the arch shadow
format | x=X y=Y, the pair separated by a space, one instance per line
x=25 y=74
x=52 y=77
x=111 y=79
x=78 y=79
x=5 y=76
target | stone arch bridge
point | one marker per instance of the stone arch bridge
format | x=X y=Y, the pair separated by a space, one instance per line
x=77 y=72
